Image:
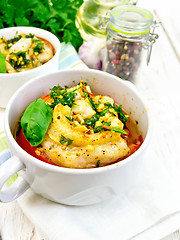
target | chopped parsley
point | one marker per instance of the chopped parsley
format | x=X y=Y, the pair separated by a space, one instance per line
x=70 y=118
x=56 y=91
x=119 y=111
x=65 y=97
x=118 y=129
x=106 y=127
x=65 y=140
x=39 y=45
x=11 y=41
x=103 y=112
x=19 y=60
x=94 y=105
x=98 y=163
x=84 y=83
x=30 y=35
x=102 y=127
x=60 y=95
x=90 y=122
x=68 y=98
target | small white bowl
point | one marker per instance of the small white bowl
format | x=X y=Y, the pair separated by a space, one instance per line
x=65 y=185
x=10 y=82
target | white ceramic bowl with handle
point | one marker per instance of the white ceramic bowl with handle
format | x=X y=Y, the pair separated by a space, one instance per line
x=10 y=82
x=65 y=185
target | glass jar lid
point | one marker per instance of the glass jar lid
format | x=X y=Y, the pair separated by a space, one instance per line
x=130 y=20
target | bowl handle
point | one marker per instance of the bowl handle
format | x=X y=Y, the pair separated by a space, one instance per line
x=8 y=169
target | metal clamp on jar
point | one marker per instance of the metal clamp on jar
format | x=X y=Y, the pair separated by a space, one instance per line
x=130 y=31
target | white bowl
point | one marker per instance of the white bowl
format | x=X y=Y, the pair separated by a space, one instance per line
x=65 y=185
x=10 y=82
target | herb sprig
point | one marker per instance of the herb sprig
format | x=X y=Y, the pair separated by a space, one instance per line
x=20 y=59
x=119 y=111
x=61 y=95
x=94 y=105
x=11 y=41
x=56 y=16
x=65 y=141
x=106 y=127
x=39 y=45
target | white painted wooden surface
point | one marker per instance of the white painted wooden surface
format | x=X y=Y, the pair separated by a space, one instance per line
x=162 y=78
x=165 y=70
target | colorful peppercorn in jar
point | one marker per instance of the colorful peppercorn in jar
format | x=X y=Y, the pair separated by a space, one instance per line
x=130 y=31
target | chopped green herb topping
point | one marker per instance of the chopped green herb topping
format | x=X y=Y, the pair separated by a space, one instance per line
x=60 y=95
x=70 y=118
x=11 y=41
x=65 y=140
x=39 y=46
x=56 y=91
x=94 y=105
x=118 y=129
x=102 y=128
x=98 y=163
x=20 y=59
x=90 y=122
x=30 y=35
x=113 y=129
x=119 y=111
x=81 y=82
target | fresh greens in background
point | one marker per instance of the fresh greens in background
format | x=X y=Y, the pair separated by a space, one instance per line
x=35 y=121
x=56 y=16
x=2 y=63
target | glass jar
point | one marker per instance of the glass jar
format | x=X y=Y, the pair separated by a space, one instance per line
x=130 y=31
x=88 y=16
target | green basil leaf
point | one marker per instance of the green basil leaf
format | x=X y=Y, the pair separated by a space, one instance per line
x=2 y=63
x=35 y=121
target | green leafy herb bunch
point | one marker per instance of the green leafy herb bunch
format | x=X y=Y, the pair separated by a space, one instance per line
x=56 y=16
